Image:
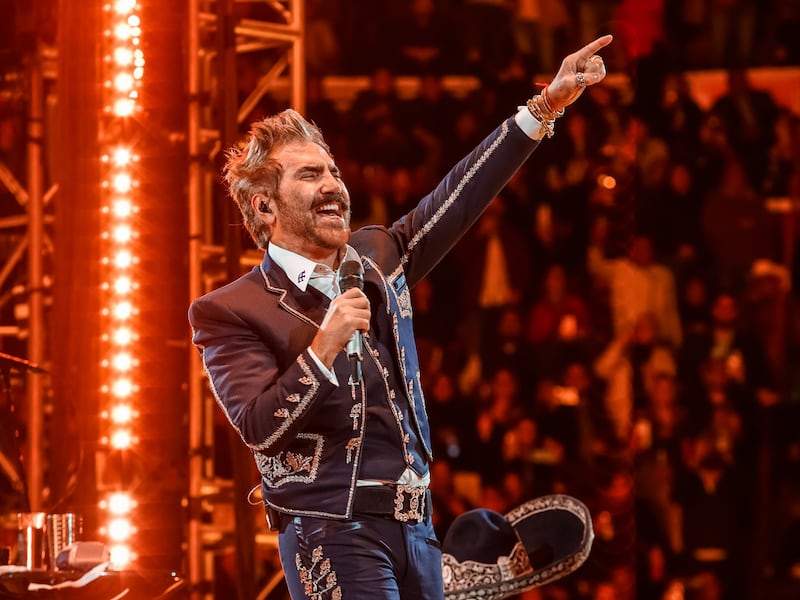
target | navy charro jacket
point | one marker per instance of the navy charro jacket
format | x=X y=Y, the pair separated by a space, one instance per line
x=306 y=433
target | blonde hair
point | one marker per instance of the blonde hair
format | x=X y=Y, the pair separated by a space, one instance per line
x=251 y=170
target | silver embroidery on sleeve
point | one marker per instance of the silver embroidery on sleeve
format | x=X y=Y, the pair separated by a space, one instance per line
x=292 y=465
x=453 y=197
x=312 y=383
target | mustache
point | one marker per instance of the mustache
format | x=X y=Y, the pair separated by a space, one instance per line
x=337 y=197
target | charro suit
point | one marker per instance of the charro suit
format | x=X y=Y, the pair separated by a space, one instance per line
x=313 y=440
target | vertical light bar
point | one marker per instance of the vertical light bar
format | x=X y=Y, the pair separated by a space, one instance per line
x=123 y=69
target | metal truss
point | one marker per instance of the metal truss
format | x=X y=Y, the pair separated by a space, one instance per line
x=224 y=36
x=26 y=247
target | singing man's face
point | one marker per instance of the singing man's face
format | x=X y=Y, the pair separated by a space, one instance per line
x=312 y=210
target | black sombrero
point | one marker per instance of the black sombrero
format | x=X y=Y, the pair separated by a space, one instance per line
x=488 y=556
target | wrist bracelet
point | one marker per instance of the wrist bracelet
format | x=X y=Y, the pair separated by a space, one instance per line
x=542 y=112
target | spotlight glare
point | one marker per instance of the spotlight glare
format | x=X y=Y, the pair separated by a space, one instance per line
x=121 y=156
x=123 y=285
x=122 y=183
x=123 y=259
x=120 y=503
x=122 y=336
x=122 y=31
x=122 y=234
x=123 y=107
x=122 y=310
x=122 y=362
x=123 y=7
x=119 y=529
x=122 y=207
x=123 y=82
x=122 y=388
x=123 y=56
x=120 y=556
x=121 y=414
x=121 y=440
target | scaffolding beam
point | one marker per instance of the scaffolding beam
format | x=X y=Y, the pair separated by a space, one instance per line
x=222 y=35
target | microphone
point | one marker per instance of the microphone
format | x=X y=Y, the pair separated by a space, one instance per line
x=351 y=275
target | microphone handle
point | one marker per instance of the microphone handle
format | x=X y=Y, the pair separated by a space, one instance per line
x=355 y=369
x=355 y=353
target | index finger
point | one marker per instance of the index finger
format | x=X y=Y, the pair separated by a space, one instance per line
x=593 y=47
x=355 y=293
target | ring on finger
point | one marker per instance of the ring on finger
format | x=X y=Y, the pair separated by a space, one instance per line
x=581 y=80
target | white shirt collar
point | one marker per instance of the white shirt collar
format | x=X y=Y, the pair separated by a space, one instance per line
x=299 y=268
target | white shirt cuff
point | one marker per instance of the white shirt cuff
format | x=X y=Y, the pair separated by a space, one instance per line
x=328 y=373
x=529 y=124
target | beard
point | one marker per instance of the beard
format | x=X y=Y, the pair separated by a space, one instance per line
x=323 y=230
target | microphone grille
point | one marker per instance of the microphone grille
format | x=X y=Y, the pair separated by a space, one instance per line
x=351 y=274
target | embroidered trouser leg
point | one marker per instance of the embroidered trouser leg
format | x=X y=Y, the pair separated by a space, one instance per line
x=367 y=558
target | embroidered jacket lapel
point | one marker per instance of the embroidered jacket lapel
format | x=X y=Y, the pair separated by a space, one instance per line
x=307 y=306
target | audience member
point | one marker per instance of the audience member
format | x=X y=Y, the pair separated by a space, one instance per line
x=737 y=228
x=628 y=365
x=639 y=285
x=748 y=115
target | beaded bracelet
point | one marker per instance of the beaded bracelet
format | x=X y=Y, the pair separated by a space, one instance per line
x=541 y=110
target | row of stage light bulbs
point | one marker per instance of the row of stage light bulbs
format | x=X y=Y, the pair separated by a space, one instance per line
x=123 y=72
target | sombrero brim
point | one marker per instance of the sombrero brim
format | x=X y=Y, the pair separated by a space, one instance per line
x=556 y=532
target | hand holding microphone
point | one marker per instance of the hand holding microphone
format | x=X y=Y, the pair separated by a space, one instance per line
x=347 y=316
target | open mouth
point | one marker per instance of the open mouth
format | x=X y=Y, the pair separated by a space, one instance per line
x=330 y=209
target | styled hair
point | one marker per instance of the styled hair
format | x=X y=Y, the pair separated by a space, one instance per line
x=250 y=168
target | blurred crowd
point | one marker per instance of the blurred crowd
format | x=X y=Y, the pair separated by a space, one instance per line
x=620 y=325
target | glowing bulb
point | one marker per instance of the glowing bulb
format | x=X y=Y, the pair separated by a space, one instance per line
x=122 y=207
x=122 y=388
x=138 y=73
x=121 y=414
x=122 y=362
x=122 y=336
x=123 y=285
x=122 y=182
x=120 y=556
x=120 y=503
x=123 y=259
x=607 y=181
x=134 y=21
x=123 y=107
x=123 y=7
x=121 y=156
x=123 y=56
x=122 y=310
x=122 y=234
x=119 y=529
x=122 y=31
x=123 y=82
x=121 y=440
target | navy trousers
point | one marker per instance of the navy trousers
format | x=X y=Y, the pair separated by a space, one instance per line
x=366 y=558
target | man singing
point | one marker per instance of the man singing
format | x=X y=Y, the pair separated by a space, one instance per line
x=311 y=355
